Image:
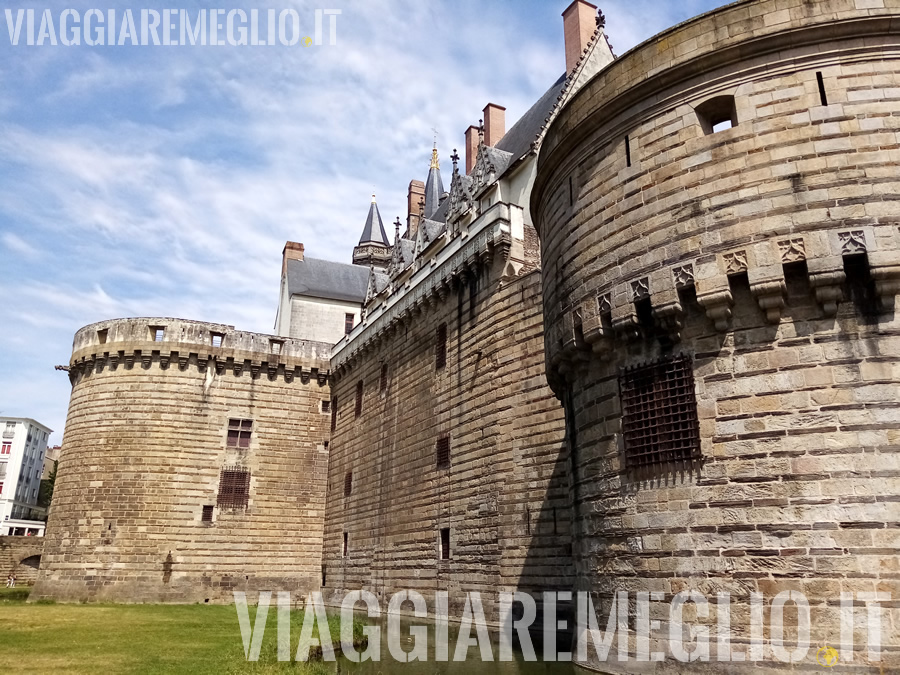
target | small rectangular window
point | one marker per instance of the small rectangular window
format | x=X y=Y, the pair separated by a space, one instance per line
x=326 y=407
x=627 y=151
x=348 y=483
x=157 y=333
x=217 y=339
x=383 y=382
x=207 y=515
x=348 y=323
x=325 y=444
x=7 y=448
x=239 y=432
x=823 y=97
x=442 y=452
x=275 y=346
x=445 y=543
x=659 y=413
x=346 y=547
x=102 y=335
x=359 y=399
x=440 y=347
x=234 y=488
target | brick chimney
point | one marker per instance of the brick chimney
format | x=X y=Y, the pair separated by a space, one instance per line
x=471 y=147
x=579 y=24
x=415 y=195
x=494 y=123
x=292 y=251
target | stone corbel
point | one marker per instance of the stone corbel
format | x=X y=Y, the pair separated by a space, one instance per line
x=255 y=367
x=626 y=323
x=305 y=375
x=273 y=371
x=827 y=286
x=146 y=359
x=238 y=368
x=182 y=361
x=887 y=284
x=670 y=315
x=323 y=378
x=717 y=304
x=288 y=375
x=770 y=297
x=113 y=361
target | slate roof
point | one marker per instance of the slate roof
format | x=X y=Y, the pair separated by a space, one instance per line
x=374 y=228
x=327 y=280
x=434 y=188
x=440 y=216
x=517 y=141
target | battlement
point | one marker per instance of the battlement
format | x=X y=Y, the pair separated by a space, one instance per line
x=163 y=341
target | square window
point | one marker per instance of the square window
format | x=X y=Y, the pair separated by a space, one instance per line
x=326 y=407
x=445 y=543
x=234 y=488
x=216 y=339
x=207 y=515
x=442 y=452
x=659 y=414
x=276 y=346
x=157 y=333
x=239 y=432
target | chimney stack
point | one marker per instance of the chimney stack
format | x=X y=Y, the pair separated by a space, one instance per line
x=471 y=148
x=494 y=123
x=292 y=251
x=579 y=24
x=415 y=194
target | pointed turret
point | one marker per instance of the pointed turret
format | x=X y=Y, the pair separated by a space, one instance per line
x=434 y=186
x=374 y=250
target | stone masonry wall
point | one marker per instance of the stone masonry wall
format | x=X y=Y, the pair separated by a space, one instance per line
x=15 y=550
x=144 y=444
x=770 y=254
x=504 y=496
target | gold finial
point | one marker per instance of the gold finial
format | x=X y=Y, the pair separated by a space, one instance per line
x=434 y=159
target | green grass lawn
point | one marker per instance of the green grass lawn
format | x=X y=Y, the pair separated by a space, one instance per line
x=57 y=638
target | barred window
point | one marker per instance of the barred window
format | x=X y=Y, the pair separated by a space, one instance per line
x=442 y=452
x=359 y=398
x=234 y=488
x=383 y=382
x=440 y=347
x=659 y=413
x=445 y=543
x=326 y=406
x=348 y=483
x=239 y=432
x=207 y=515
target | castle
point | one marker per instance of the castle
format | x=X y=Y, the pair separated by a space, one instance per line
x=645 y=341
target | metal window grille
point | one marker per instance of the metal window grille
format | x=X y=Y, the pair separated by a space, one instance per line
x=239 y=432
x=440 y=347
x=445 y=543
x=359 y=398
x=442 y=452
x=207 y=516
x=659 y=413
x=348 y=483
x=234 y=488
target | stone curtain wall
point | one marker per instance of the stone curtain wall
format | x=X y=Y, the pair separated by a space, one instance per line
x=144 y=444
x=770 y=253
x=505 y=495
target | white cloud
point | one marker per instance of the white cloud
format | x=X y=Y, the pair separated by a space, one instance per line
x=165 y=181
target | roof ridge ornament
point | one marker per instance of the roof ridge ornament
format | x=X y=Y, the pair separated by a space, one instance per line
x=480 y=132
x=435 y=163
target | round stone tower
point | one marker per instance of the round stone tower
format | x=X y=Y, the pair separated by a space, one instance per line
x=718 y=213
x=193 y=464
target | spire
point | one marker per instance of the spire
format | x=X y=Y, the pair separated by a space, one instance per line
x=434 y=186
x=373 y=231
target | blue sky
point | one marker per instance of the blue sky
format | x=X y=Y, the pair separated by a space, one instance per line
x=164 y=181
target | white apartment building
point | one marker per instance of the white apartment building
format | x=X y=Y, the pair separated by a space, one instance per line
x=23 y=445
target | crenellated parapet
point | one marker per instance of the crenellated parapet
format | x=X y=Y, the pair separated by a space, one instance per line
x=177 y=343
